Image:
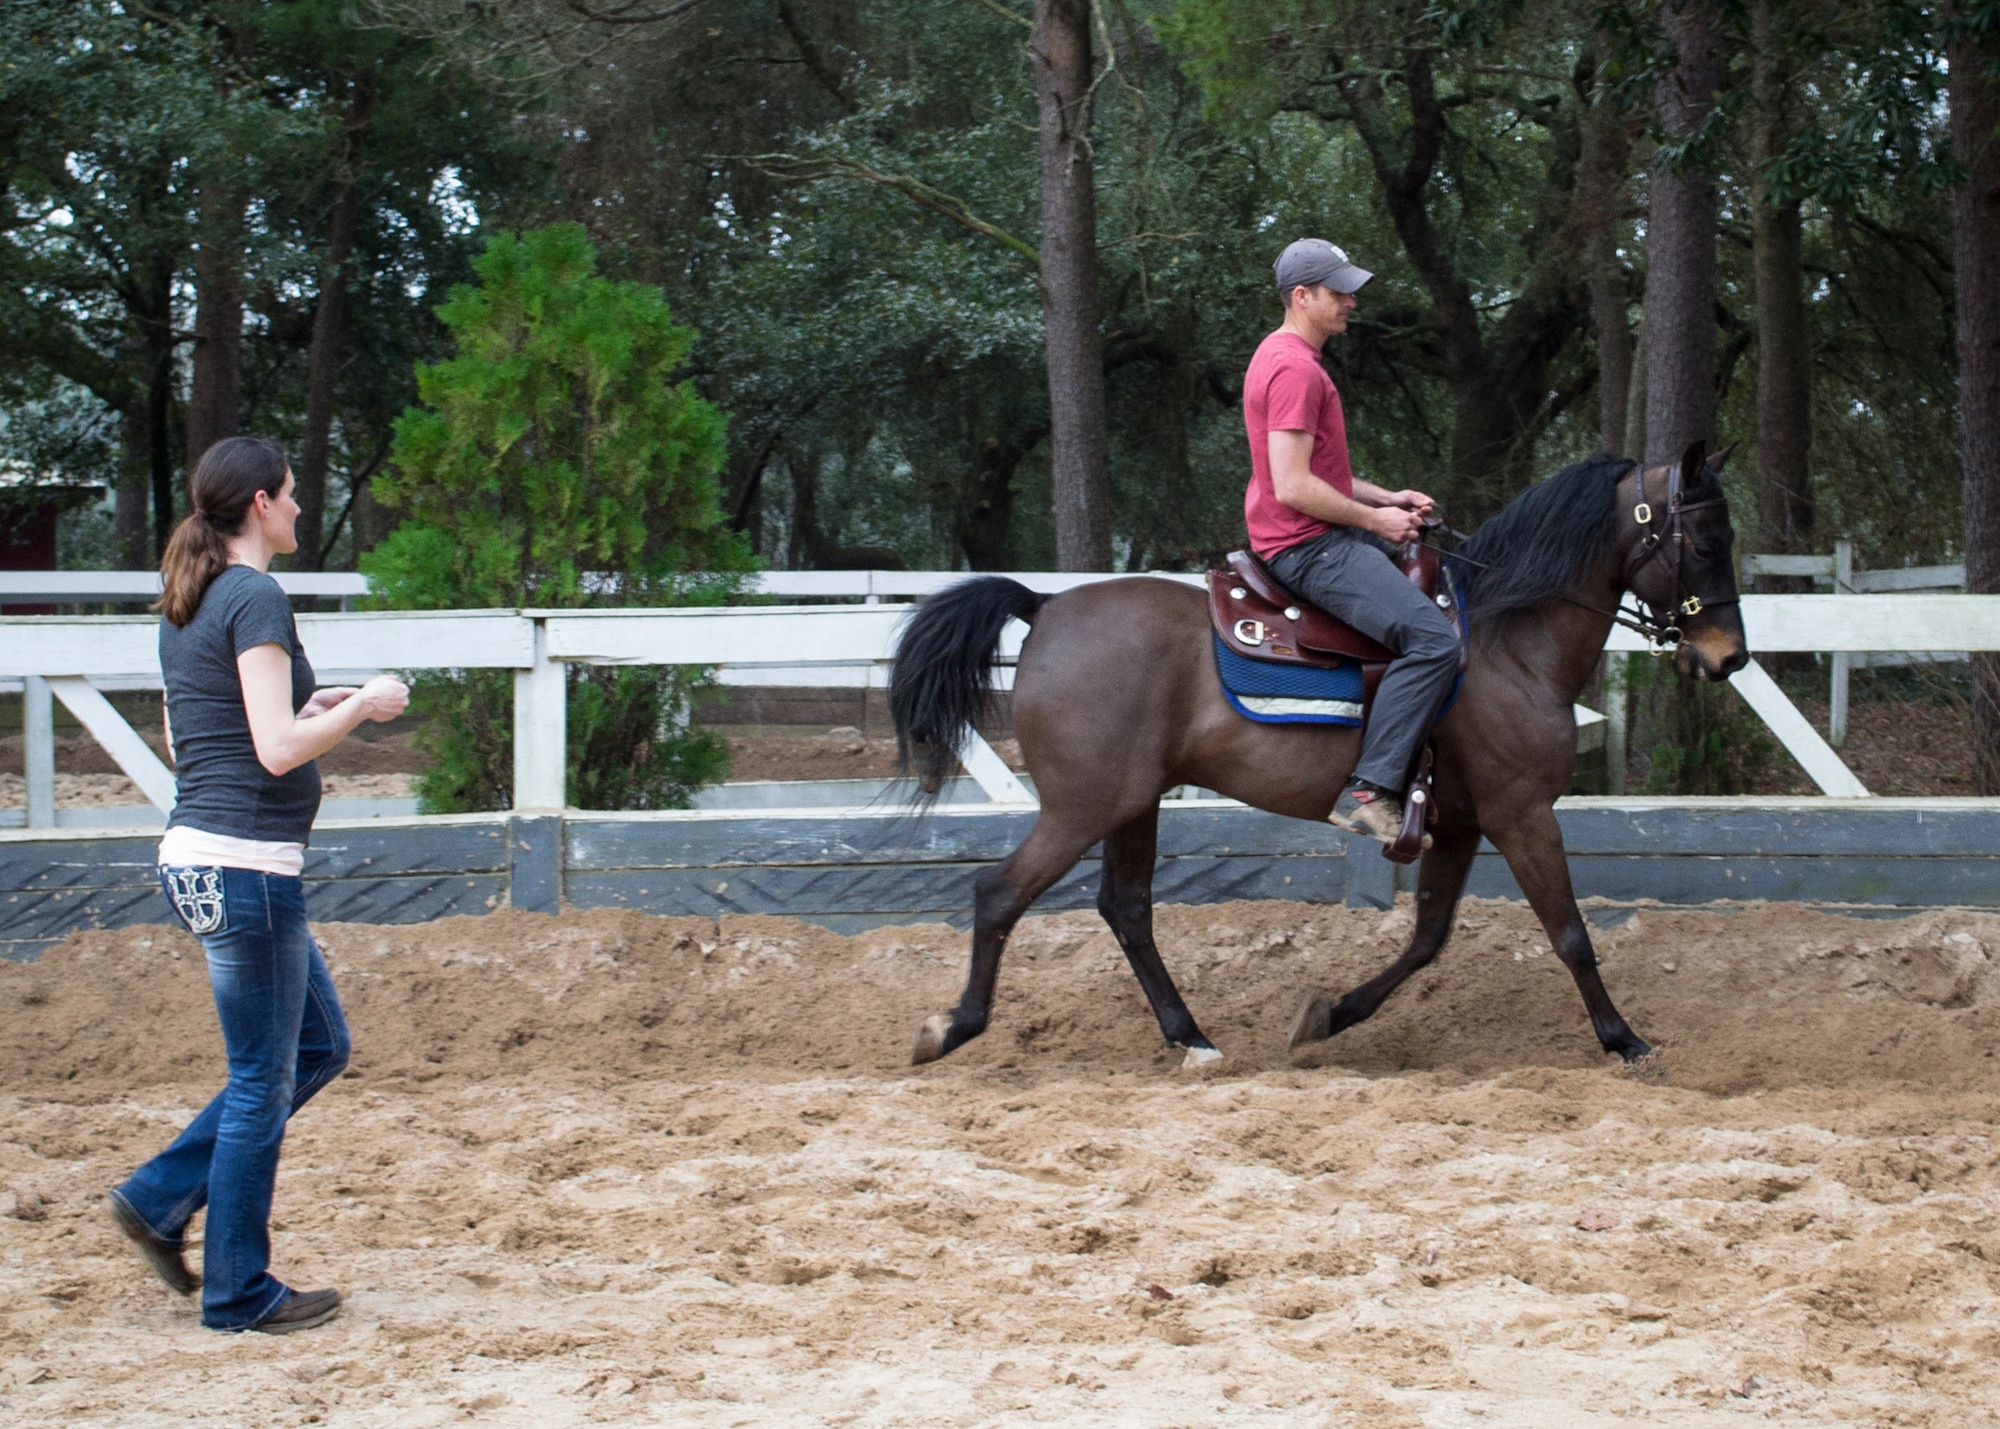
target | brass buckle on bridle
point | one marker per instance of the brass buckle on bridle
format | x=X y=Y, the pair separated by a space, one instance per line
x=1691 y=606
x=1643 y=513
x=1666 y=642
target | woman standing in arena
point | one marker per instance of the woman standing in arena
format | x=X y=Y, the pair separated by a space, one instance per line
x=244 y=726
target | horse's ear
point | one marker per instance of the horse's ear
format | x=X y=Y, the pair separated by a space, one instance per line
x=1691 y=461
x=1716 y=463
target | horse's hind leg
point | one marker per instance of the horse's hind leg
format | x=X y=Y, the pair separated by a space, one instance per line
x=1001 y=895
x=1440 y=880
x=1125 y=898
x=1534 y=851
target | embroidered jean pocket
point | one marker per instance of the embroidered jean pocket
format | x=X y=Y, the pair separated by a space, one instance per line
x=196 y=894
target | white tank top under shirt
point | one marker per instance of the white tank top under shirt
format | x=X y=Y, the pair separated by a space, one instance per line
x=184 y=847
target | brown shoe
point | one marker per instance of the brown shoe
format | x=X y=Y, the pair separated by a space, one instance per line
x=1364 y=809
x=161 y=1254
x=300 y=1310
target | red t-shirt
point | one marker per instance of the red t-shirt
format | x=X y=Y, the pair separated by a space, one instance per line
x=1286 y=390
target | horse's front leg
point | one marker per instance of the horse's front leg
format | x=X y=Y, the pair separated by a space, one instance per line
x=1533 y=849
x=1440 y=879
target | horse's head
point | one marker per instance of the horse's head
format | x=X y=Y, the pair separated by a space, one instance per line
x=1676 y=545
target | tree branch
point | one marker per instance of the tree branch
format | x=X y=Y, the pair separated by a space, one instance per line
x=802 y=170
x=624 y=16
x=830 y=78
x=997 y=8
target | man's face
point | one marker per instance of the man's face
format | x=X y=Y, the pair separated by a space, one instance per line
x=1324 y=309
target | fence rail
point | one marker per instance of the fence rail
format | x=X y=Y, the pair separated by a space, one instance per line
x=1837 y=570
x=72 y=658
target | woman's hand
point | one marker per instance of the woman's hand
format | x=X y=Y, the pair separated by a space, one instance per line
x=285 y=738
x=383 y=698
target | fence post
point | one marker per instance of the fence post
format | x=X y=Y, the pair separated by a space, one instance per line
x=1617 y=685
x=39 y=737
x=1840 y=661
x=541 y=736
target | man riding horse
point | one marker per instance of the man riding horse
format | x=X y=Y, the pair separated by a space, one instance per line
x=1327 y=535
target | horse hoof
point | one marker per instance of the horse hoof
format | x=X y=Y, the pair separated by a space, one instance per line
x=1199 y=1057
x=1646 y=1066
x=1313 y=1024
x=929 y=1045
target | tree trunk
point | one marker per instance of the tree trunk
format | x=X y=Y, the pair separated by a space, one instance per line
x=1601 y=184
x=372 y=521
x=1680 y=245
x=128 y=520
x=1784 y=360
x=1680 y=326
x=323 y=358
x=1635 y=399
x=1975 y=137
x=159 y=405
x=811 y=548
x=148 y=455
x=984 y=525
x=215 y=398
x=1079 y=447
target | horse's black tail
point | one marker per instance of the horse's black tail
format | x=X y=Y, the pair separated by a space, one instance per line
x=944 y=668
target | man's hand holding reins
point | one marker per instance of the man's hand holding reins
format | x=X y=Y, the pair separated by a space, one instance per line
x=1398 y=516
x=1395 y=524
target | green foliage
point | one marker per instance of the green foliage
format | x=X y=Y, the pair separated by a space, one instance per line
x=556 y=462
x=132 y=138
x=1696 y=738
x=881 y=361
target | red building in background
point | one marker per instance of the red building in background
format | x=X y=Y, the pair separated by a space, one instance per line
x=29 y=509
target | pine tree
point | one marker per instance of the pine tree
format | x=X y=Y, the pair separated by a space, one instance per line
x=556 y=462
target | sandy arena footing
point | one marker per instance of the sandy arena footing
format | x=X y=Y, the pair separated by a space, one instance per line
x=613 y=1168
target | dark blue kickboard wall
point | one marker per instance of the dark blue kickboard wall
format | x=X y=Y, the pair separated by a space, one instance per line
x=849 y=871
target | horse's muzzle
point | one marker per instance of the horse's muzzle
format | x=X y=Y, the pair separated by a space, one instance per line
x=1711 y=655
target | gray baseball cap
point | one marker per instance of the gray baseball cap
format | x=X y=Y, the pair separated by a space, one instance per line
x=1314 y=260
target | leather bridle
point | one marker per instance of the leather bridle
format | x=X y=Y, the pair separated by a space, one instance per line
x=1660 y=631
x=1662 y=634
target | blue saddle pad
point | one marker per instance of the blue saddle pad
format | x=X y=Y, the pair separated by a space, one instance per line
x=1272 y=693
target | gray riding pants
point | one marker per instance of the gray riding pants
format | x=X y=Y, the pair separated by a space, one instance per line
x=1348 y=573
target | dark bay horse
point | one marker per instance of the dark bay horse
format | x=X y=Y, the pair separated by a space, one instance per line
x=1117 y=700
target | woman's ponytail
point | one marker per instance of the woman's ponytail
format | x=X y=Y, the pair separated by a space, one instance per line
x=225 y=483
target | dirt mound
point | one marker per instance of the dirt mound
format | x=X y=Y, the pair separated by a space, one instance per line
x=1758 y=997
x=611 y=1168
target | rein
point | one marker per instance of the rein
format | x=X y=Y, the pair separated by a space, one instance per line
x=1660 y=633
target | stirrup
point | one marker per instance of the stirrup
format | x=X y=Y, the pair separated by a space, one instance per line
x=1419 y=812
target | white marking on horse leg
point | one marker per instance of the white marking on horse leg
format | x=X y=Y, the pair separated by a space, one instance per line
x=929 y=1045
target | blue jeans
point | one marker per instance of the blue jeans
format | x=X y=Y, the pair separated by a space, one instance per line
x=286 y=1038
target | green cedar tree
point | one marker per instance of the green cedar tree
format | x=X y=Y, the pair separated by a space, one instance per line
x=556 y=462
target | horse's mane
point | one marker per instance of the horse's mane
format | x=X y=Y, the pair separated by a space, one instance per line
x=1543 y=540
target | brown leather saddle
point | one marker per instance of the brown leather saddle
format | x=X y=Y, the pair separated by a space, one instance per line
x=1255 y=616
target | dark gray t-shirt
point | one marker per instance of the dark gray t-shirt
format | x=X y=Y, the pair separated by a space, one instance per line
x=221 y=788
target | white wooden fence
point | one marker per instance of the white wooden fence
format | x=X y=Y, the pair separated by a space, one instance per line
x=73 y=658
x=1838 y=572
